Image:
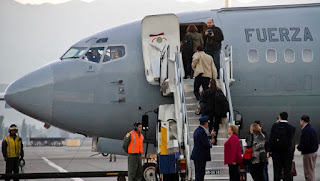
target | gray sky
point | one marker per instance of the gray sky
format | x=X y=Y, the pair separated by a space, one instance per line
x=32 y=35
x=36 y=32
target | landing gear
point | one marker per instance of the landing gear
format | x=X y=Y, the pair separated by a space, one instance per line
x=149 y=172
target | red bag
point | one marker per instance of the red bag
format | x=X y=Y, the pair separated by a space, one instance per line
x=246 y=158
x=248 y=154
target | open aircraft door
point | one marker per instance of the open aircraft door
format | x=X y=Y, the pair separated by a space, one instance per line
x=160 y=41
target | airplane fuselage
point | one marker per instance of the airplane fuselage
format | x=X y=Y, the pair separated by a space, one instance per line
x=275 y=67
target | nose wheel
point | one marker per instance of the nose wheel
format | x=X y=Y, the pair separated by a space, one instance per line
x=149 y=172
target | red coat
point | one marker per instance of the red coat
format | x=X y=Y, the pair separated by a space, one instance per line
x=232 y=150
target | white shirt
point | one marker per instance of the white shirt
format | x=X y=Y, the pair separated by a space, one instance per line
x=305 y=125
x=283 y=121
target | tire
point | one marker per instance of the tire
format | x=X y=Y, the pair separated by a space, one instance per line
x=149 y=172
x=104 y=154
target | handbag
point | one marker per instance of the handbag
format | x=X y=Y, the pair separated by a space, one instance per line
x=247 y=156
x=246 y=159
x=293 y=170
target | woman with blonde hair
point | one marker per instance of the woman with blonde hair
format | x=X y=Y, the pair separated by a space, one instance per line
x=257 y=141
x=232 y=153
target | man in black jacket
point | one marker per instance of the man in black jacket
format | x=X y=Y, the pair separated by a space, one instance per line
x=212 y=38
x=308 y=147
x=201 y=149
x=282 y=147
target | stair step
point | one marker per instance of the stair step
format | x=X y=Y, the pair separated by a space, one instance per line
x=215 y=169
x=191 y=99
x=189 y=94
x=216 y=177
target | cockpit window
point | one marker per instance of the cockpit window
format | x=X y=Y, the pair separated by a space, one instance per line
x=114 y=52
x=74 y=52
x=94 y=54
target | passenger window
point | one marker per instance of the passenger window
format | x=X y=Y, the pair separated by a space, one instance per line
x=289 y=55
x=253 y=56
x=307 y=55
x=114 y=52
x=271 y=55
x=94 y=54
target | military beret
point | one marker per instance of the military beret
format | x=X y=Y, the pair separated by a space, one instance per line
x=204 y=118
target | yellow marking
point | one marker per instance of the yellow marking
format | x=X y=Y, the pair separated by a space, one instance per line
x=164 y=141
x=112 y=173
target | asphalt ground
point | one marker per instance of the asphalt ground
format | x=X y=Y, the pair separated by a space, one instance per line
x=77 y=159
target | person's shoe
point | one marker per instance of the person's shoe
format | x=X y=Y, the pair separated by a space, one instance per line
x=197 y=111
x=215 y=143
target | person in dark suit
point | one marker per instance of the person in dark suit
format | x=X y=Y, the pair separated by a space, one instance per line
x=282 y=151
x=308 y=146
x=201 y=150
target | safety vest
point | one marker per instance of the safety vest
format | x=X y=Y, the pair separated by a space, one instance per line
x=13 y=146
x=136 y=143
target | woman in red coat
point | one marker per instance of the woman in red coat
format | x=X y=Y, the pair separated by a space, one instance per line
x=232 y=153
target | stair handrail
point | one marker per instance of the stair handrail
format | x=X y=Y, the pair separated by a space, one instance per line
x=225 y=80
x=183 y=111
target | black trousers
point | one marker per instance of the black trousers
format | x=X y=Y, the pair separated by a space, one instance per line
x=215 y=125
x=278 y=166
x=187 y=68
x=12 y=166
x=256 y=171
x=234 y=172
x=216 y=59
x=200 y=170
x=200 y=81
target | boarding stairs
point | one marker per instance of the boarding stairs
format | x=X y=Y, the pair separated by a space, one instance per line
x=215 y=169
x=177 y=121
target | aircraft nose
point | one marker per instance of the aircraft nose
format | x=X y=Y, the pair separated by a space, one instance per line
x=32 y=94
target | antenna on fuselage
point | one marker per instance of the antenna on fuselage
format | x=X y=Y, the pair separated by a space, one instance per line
x=227 y=3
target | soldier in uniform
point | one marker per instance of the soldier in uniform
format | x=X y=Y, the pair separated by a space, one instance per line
x=12 y=150
x=133 y=145
x=201 y=150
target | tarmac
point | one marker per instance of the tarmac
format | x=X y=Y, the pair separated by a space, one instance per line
x=77 y=159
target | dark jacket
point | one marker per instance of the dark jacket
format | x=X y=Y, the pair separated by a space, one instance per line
x=208 y=98
x=213 y=43
x=211 y=107
x=289 y=153
x=267 y=140
x=201 y=149
x=308 y=142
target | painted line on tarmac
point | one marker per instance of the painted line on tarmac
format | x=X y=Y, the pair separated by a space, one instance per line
x=59 y=168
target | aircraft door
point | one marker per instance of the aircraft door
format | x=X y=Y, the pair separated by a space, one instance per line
x=160 y=40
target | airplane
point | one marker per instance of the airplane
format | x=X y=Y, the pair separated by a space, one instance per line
x=93 y=91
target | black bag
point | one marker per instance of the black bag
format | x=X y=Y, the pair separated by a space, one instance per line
x=281 y=141
x=221 y=104
x=187 y=45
